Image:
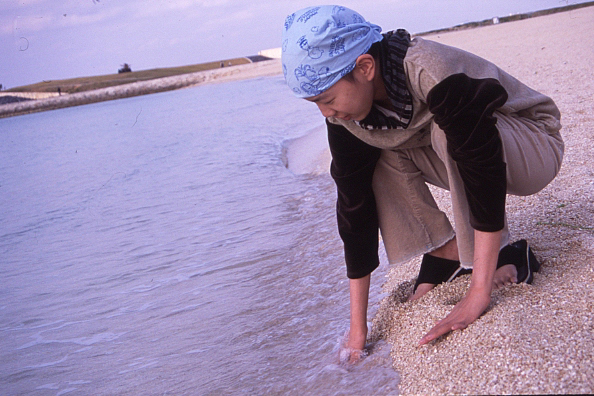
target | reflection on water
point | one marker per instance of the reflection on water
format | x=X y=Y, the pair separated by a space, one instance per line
x=158 y=245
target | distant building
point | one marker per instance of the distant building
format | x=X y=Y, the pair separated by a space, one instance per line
x=125 y=68
x=274 y=53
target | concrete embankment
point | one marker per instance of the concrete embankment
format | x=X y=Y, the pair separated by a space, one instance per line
x=252 y=70
x=30 y=95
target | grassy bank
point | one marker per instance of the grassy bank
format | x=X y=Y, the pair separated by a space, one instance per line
x=82 y=84
x=148 y=84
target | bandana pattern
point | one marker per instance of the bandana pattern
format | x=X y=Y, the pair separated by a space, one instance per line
x=393 y=50
x=320 y=46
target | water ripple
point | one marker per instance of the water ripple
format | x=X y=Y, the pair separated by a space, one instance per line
x=179 y=256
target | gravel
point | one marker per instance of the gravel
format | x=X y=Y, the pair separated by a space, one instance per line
x=537 y=338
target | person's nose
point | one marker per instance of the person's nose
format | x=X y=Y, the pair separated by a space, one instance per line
x=326 y=110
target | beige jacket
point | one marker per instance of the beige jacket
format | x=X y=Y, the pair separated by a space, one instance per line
x=426 y=64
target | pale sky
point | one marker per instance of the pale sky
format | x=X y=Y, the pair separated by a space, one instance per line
x=56 y=39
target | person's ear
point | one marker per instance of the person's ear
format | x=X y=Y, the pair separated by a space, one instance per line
x=365 y=66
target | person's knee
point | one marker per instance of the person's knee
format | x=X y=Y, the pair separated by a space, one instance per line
x=534 y=174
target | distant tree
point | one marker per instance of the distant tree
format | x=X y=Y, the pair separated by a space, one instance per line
x=125 y=68
x=0 y=87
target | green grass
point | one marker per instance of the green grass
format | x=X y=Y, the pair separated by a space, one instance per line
x=81 y=84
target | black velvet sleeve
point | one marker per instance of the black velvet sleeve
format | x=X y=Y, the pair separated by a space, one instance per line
x=353 y=164
x=463 y=109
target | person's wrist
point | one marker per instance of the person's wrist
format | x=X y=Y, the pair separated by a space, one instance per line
x=359 y=330
x=357 y=337
x=481 y=284
x=479 y=293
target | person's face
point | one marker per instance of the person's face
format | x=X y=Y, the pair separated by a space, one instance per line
x=348 y=99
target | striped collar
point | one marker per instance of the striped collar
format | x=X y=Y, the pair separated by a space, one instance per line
x=392 y=53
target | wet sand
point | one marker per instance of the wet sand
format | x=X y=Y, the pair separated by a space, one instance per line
x=533 y=338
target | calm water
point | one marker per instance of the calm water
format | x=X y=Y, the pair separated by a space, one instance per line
x=157 y=245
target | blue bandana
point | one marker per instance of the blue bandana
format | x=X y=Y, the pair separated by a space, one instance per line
x=321 y=45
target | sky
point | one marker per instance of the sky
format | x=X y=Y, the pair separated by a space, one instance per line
x=49 y=40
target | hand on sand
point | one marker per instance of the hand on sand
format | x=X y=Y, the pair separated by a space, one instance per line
x=464 y=313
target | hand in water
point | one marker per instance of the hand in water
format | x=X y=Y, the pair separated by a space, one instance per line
x=351 y=356
x=352 y=348
x=464 y=313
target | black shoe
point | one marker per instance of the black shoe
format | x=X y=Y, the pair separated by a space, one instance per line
x=436 y=270
x=520 y=255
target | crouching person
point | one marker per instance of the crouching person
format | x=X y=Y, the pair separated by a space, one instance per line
x=403 y=113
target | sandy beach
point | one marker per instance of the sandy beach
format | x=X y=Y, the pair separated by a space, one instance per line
x=536 y=338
